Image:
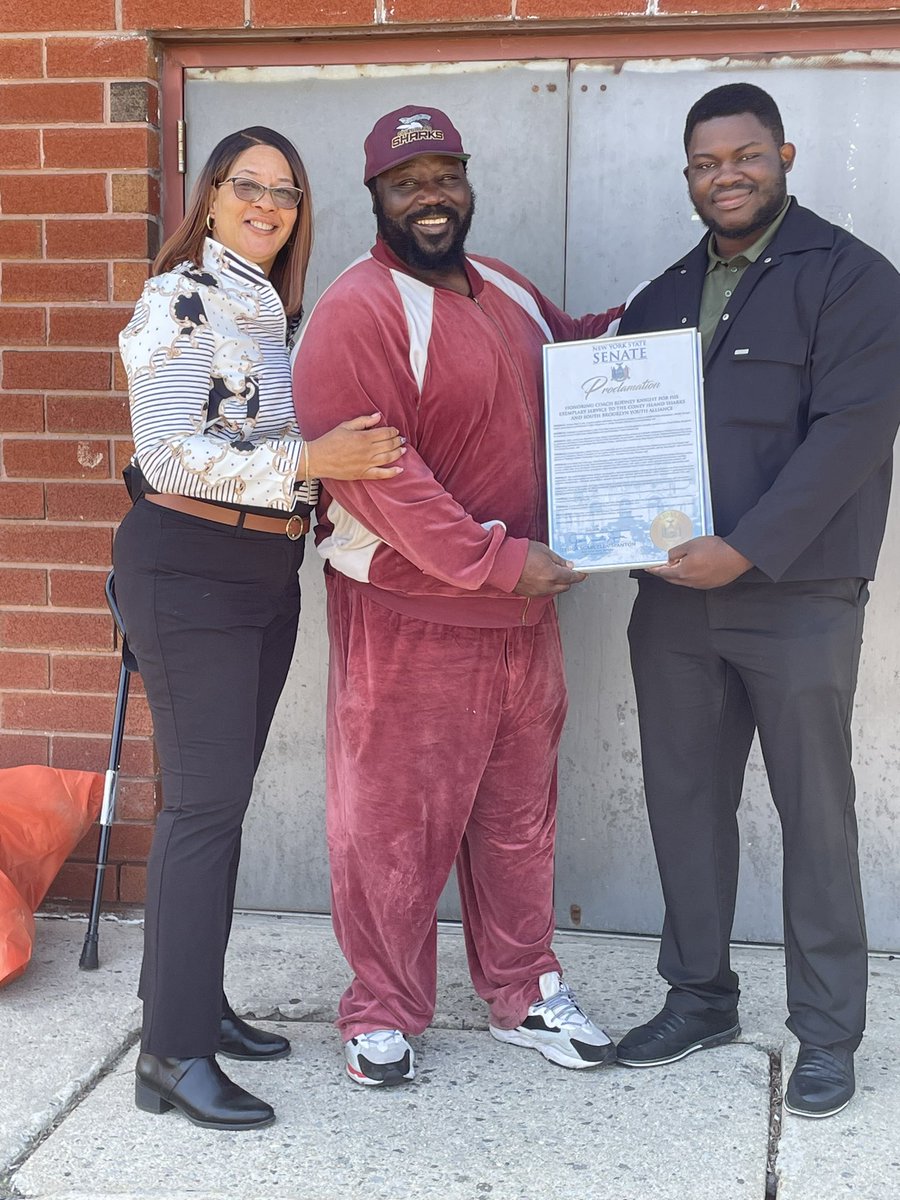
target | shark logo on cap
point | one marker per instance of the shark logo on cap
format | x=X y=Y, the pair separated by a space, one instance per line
x=406 y=133
x=415 y=128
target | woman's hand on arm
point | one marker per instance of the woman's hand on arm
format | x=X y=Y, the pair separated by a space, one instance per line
x=357 y=449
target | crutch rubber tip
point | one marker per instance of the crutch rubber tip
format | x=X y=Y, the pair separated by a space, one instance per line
x=149 y=1101
x=89 y=960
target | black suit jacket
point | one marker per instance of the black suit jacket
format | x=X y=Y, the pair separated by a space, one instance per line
x=802 y=388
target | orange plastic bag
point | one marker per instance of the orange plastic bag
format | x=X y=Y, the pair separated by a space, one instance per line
x=16 y=931
x=44 y=813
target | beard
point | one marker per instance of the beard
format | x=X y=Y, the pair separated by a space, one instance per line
x=761 y=219
x=399 y=236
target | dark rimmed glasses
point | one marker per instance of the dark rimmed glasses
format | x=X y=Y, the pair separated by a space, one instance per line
x=251 y=191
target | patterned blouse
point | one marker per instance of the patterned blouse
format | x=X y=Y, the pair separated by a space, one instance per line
x=209 y=383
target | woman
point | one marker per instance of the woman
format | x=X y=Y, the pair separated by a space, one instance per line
x=206 y=578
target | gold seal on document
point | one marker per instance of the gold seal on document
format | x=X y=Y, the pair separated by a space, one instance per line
x=670 y=528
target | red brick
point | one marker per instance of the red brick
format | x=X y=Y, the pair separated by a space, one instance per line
x=122 y=452
x=114 y=237
x=132 y=883
x=88 y=414
x=38 y=542
x=120 y=379
x=23 y=670
x=136 y=800
x=19 y=749
x=20 y=413
x=727 y=6
x=87 y=502
x=92 y=753
x=56 y=370
x=22 y=327
x=273 y=14
x=40 y=711
x=50 y=103
x=116 y=149
x=22 y=501
x=53 y=458
x=20 y=239
x=581 y=9
x=131 y=842
x=20 y=148
x=36 y=629
x=123 y=57
x=75 y=881
x=23 y=58
x=88 y=326
x=127 y=843
x=20 y=586
x=78 y=589
x=85 y=673
x=69 y=193
x=129 y=279
x=39 y=15
x=55 y=281
x=201 y=14
x=431 y=11
x=854 y=5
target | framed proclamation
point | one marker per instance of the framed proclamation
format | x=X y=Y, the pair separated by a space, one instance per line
x=627 y=475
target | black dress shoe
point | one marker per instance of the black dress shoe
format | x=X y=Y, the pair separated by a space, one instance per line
x=669 y=1036
x=237 y=1039
x=821 y=1083
x=200 y=1089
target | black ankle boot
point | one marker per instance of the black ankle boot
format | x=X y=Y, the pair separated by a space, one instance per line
x=200 y=1089
x=237 y=1039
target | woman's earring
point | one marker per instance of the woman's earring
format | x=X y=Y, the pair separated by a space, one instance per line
x=209 y=222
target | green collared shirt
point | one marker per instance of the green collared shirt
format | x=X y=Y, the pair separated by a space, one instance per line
x=724 y=274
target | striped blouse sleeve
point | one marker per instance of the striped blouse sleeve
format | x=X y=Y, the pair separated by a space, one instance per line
x=194 y=395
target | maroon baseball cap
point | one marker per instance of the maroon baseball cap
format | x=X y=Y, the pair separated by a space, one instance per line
x=408 y=132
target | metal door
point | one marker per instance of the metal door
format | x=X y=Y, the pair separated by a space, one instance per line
x=514 y=116
x=629 y=217
x=577 y=166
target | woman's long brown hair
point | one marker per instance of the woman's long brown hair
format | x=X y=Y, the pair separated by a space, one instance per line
x=288 y=273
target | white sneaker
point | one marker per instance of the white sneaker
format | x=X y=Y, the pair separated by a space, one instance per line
x=382 y=1058
x=558 y=1028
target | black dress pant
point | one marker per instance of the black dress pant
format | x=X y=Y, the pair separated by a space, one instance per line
x=710 y=667
x=211 y=614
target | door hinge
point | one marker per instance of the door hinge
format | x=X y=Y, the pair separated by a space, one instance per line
x=179 y=133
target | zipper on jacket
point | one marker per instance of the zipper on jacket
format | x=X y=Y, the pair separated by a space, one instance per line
x=525 y=609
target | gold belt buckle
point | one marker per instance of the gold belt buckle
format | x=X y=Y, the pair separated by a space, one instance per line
x=297 y=531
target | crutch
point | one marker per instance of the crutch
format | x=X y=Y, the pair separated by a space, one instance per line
x=89 y=960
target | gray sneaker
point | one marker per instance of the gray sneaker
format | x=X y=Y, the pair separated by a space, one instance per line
x=557 y=1027
x=382 y=1058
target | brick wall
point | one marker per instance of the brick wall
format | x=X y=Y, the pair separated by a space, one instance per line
x=79 y=222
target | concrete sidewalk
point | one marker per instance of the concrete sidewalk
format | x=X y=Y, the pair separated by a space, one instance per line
x=483 y=1121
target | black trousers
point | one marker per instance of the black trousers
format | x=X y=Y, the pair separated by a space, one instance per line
x=709 y=669
x=211 y=614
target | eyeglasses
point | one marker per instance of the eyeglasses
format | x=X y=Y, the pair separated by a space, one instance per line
x=251 y=191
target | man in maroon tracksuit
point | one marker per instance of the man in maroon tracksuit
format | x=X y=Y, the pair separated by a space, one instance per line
x=446 y=691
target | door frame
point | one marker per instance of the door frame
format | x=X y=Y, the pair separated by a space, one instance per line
x=763 y=41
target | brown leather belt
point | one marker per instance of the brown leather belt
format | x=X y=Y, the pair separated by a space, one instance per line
x=293 y=527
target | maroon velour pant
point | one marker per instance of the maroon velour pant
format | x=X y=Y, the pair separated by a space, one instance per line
x=441 y=747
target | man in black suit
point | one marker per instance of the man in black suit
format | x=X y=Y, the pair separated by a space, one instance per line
x=760 y=626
